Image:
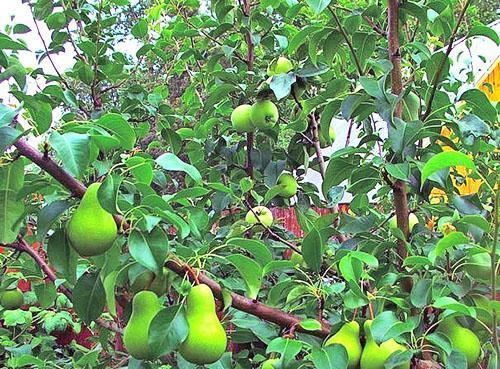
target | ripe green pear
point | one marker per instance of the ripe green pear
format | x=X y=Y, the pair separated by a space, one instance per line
x=348 y=336
x=412 y=222
x=91 y=229
x=264 y=114
x=12 y=299
x=288 y=185
x=478 y=266
x=206 y=340
x=264 y=216
x=240 y=118
x=375 y=356
x=270 y=364
x=282 y=65
x=462 y=339
x=145 y=306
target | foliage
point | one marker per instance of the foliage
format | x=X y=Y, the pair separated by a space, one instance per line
x=151 y=121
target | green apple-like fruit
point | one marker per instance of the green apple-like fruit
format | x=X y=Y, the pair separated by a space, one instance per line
x=264 y=114
x=145 y=306
x=411 y=106
x=478 y=266
x=331 y=132
x=240 y=118
x=12 y=299
x=91 y=229
x=374 y=356
x=412 y=221
x=348 y=336
x=462 y=339
x=206 y=340
x=282 y=65
x=264 y=216
x=288 y=185
x=270 y=364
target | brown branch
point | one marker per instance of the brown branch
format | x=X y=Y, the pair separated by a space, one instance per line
x=437 y=76
x=399 y=187
x=238 y=302
x=317 y=145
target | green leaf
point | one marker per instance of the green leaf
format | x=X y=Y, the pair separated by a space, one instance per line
x=141 y=169
x=481 y=105
x=329 y=357
x=444 y=160
x=40 y=111
x=450 y=240
x=310 y=324
x=485 y=31
x=170 y=161
x=312 y=250
x=45 y=292
x=399 y=171
x=149 y=249
x=73 y=150
x=257 y=248
x=11 y=209
x=8 y=136
x=318 y=5
x=109 y=288
x=282 y=85
x=450 y=303
x=120 y=128
x=108 y=193
x=48 y=216
x=140 y=29
x=168 y=330
x=7 y=115
x=6 y=43
x=61 y=255
x=89 y=297
x=251 y=272
x=421 y=293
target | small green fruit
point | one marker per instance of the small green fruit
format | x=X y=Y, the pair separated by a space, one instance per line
x=412 y=221
x=348 y=336
x=145 y=306
x=288 y=185
x=12 y=299
x=282 y=65
x=478 y=266
x=264 y=216
x=206 y=340
x=264 y=114
x=91 y=229
x=462 y=339
x=240 y=118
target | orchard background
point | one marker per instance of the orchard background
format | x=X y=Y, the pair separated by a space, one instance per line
x=154 y=127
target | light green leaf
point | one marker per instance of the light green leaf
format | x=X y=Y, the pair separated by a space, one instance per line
x=170 y=161
x=312 y=250
x=117 y=125
x=11 y=209
x=444 y=160
x=73 y=150
x=251 y=272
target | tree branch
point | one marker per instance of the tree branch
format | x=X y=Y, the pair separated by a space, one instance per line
x=238 y=302
x=437 y=76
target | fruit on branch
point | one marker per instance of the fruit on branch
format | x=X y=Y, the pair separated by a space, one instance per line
x=348 y=336
x=206 y=340
x=91 y=229
x=288 y=185
x=412 y=221
x=12 y=299
x=145 y=306
x=260 y=214
x=142 y=281
x=478 y=266
x=462 y=339
x=280 y=66
x=270 y=364
x=240 y=118
x=411 y=106
x=331 y=132
x=264 y=114
x=374 y=356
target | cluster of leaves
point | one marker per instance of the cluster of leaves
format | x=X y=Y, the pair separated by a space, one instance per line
x=154 y=127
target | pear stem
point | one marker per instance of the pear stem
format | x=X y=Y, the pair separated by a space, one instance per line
x=370 y=309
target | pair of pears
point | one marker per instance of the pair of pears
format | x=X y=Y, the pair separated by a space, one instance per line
x=373 y=356
x=91 y=229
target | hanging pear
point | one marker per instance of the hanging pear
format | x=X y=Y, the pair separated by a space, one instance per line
x=348 y=336
x=375 y=356
x=206 y=340
x=145 y=306
x=462 y=339
x=91 y=229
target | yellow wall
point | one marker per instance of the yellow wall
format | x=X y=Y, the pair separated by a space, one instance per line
x=492 y=77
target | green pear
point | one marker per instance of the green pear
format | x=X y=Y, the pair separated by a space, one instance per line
x=240 y=118
x=412 y=222
x=264 y=216
x=462 y=339
x=270 y=364
x=206 y=340
x=12 y=299
x=280 y=66
x=288 y=185
x=375 y=356
x=264 y=114
x=348 y=336
x=478 y=266
x=91 y=229
x=145 y=306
